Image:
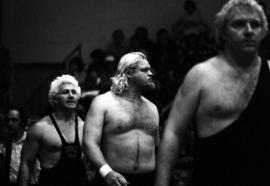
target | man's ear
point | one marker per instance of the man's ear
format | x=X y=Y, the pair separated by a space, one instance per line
x=129 y=76
x=55 y=100
x=129 y=73
x=223 y=36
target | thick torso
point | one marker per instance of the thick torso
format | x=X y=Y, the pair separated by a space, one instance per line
x=236 y=151
x=129 y=136
x=223 y=97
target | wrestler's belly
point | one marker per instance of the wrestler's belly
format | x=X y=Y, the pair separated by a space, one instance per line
x=131 y=152
x=49 y=160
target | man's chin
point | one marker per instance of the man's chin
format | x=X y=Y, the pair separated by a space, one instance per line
x=250 y=49
x=69 y=107
x=151 y=86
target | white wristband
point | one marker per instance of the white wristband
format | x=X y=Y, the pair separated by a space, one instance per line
x=104 y=170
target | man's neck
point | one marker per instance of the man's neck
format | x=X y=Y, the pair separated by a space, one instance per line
x=132 y=94
x=17 y=135
x=65 y=115
x=241 y=61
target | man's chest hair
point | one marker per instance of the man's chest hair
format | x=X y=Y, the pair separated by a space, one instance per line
x=127 y=119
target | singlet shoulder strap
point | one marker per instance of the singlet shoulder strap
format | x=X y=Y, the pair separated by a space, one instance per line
x=265 y=65
x=77 y=130
x=57 y=129
x=265 y=78
x=264 y=74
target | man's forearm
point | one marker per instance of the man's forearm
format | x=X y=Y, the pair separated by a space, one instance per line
x=163 y=171
x=94 y=155
x=167 y=155
x=24 y=175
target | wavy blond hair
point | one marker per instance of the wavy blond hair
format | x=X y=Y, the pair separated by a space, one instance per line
x=127 y=64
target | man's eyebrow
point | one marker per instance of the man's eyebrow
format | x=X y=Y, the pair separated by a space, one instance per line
x=146 y=68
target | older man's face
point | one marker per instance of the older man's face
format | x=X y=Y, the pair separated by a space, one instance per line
x=244 y=30
x=68 y=96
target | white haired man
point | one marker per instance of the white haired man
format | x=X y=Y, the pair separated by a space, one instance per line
x=121 y=127
x=226 y=98
x=56 y=139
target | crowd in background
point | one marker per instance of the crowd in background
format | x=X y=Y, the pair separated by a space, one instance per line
x=171 y=54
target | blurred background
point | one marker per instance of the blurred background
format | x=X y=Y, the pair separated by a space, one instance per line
x=41 y=39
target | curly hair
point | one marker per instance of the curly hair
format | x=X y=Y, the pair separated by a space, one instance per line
x=57 y=82
x=222 y=17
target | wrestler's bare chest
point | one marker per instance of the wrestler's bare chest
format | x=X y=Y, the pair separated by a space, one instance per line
x=51 y=140
x=125 y=116
x=223 y=99
x=230 y=97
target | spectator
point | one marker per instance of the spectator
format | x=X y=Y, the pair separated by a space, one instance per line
x=117 y=46
x=15 y=136
x=189 y=23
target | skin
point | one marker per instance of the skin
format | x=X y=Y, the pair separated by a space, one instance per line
x=215 y=92
x=14 y=121
x=43 y=141
x=14 y=118
x=122 y=130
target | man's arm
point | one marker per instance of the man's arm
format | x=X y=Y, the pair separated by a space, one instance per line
x=181 y=114
x=29 y=155
x=92 y=134
x=157 y=135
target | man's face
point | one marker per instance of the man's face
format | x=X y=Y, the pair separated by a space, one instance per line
x=243 y=32
x=142 y=75
x=67 y=96
x=13 y=119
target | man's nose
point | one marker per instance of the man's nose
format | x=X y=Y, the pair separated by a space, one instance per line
x=249 y=31
x=249 y=28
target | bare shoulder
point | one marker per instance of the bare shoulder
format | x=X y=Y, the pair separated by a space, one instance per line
x=202 y=69
x=150 y=105
x=103 y=100
x=37 y=129
x=268 y=62
x=201 y=72
x=80 y=122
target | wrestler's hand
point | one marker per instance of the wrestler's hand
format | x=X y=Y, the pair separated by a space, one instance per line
x=115 y=179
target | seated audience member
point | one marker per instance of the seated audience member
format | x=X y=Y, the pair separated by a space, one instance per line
x=15 y=136
x=117 y=46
